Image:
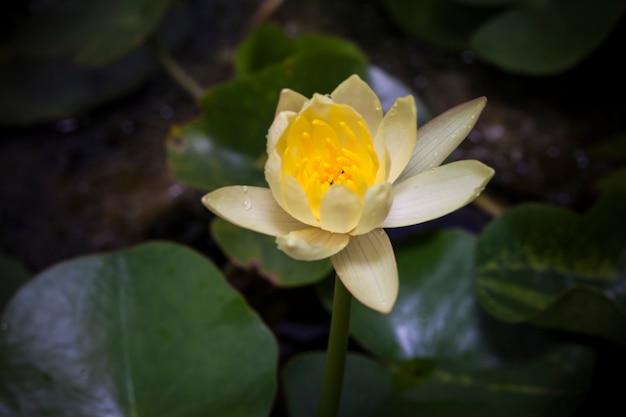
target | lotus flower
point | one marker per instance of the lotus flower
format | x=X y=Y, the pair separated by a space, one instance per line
x=339 y=172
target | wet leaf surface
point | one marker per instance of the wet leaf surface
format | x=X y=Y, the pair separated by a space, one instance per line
x=153 y=329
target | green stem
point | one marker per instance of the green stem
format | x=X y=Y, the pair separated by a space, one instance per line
x=337 y=350
x=174 y=70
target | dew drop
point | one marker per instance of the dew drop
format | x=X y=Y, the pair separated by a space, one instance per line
x=247 y=204
x=245 y=188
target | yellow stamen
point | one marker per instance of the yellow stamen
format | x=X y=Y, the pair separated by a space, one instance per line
x=326 y=148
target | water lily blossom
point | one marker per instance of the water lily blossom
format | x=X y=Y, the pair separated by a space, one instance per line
x=339 y=172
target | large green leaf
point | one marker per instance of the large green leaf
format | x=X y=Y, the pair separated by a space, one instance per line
x=90 y=33
x=547 y=37
x=153 y=330
x=449 y=358
x=444 y=23
x=555 y=268
x=256 y=251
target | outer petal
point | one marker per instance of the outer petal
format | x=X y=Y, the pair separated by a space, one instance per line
x=312 y=244
x=398 y=131
x=356 y=93
x=437 y=192
x=375 y=208
x=439 y=137
x=278 y=127
x=367 y=267
x=253 y=208
x=340 y=210
x=290 y=100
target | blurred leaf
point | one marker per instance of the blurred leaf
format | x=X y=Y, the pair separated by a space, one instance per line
x=546 y=37
x=12 y=276
x=613 y=149
x=549 y=266
x=443 y=23
x=45 y=90
x=90 y=33
x=265 y=46
x=269 y=45
x=153 y=330
x=225 y=145
x=449 y=358
x=302 y=378
x=614 y=181
x=256 y=251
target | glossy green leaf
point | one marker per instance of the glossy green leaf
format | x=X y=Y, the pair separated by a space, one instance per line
x=449 y=358
x=367 y=386
x=552 y=267
x=255 y=251
x=12 y=276
x=90 y=33
x=225 y=145
x=443 y=23
x=547 y=37
x=153 y=330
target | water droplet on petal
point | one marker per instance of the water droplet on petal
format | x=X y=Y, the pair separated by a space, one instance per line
x=245 y=188
x=247 y=204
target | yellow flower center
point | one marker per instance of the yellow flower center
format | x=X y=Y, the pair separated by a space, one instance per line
x=328 y=147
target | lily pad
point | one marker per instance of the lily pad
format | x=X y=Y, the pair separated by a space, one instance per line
x=89 y=33
x=546 y=37
x=451 y=359
x=256 y=251
x=150 y=330
x=552 y=267
x=444 y=23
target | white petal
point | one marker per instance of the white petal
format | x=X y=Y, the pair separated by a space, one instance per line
x=398 y=132
x=312 y=244
x=279 y=125
x=440 y=136
x=253 y=208
x=340 y=210
x=290 y=100
x=367 y=267
x=437 y=192
x=356 y=93
x=376 y=205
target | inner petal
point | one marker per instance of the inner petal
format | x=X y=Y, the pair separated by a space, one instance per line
x=326 y=148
